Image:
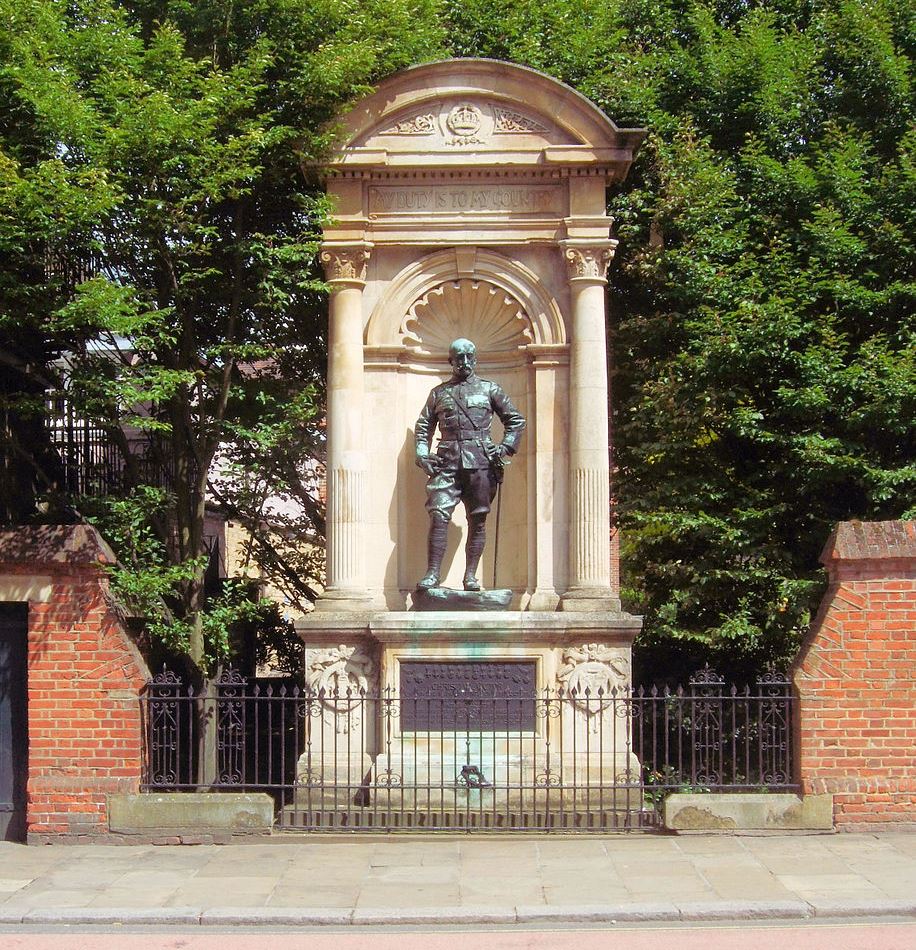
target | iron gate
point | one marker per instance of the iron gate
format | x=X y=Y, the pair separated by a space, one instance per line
x=431 y=761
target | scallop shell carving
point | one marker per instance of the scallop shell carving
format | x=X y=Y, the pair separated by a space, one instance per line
x=474 y=309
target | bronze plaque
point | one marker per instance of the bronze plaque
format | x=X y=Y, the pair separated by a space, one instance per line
x=462 y=696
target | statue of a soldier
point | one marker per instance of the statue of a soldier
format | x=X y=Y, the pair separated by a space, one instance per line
x=467 y=465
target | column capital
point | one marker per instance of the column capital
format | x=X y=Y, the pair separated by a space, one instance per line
x=588 y=260
x=345 y=264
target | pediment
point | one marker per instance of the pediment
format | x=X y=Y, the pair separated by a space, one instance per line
x=466 y=112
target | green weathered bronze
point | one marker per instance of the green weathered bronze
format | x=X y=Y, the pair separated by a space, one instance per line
x=467 y=465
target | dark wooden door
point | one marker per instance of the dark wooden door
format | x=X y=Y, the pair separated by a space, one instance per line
x=14 y=734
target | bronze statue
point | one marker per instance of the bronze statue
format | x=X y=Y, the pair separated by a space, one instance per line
x=467 y=465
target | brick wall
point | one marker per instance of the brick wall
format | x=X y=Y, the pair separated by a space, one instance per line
x=83 y=680
x=856 y=679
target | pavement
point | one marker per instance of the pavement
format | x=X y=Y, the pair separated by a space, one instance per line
x=488 y=880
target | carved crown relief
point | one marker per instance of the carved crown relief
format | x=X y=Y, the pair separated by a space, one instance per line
x=471 y=308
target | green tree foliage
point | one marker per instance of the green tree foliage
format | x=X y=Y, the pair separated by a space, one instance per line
x=763 y=298
x=159 y=232
x=762 y=301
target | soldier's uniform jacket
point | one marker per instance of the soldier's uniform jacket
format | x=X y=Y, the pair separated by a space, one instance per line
x=463 y=411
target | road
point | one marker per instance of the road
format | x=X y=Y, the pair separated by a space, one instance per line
x=814 y=935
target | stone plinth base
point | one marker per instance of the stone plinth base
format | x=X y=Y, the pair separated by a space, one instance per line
x=442 y=710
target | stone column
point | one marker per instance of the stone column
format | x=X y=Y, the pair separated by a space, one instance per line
x=589 y=586
x=345 y=268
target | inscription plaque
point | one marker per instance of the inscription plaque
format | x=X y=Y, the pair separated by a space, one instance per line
x=446 y=696
x=459 y=199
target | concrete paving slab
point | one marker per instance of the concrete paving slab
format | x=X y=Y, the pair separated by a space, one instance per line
x=827 y=883
x=572 y=848
x=492 y=898
x=394 y=897
x=209 y=898
x=413 y=874
x=10 y=884
x=33 y=896
x=314 y=898
x=119 y=897
x=570 y=896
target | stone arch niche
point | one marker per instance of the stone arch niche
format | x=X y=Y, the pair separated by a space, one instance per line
x=470 y=200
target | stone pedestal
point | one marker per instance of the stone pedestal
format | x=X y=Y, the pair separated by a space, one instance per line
x=555 y=735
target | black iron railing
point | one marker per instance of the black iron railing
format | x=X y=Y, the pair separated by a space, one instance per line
x=546 y=760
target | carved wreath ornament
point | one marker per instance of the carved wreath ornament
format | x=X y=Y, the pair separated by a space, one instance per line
x=593 y=675
x=340 y=677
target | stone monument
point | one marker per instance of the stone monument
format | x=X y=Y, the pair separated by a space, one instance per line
x=470 y=205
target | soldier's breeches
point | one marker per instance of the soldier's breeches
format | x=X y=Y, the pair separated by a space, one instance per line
x=476 y=487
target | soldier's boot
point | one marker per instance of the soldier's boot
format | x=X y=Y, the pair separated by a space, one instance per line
x=435 y=550
x=477 y=538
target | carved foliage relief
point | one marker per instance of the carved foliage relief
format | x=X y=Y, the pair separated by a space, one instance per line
x=588 y=262
x=423 y=124
x=345 y=263
x=507 y=121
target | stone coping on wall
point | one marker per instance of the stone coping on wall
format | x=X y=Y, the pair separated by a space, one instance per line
x=748 y=811
x=182 y=813
x=871 y=541
x=55 y=548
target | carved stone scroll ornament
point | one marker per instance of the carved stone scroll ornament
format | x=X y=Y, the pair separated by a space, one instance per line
x=589 y=262
x=507 y=121
x=418 y=125
x=594 y=676
x=341 y=677
x=345 y=263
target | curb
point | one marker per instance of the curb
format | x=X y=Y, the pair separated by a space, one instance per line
x=433 y=917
